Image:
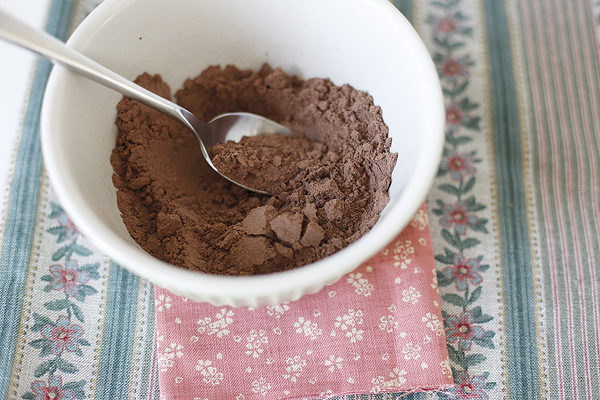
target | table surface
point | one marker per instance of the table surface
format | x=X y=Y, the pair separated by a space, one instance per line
x=513 y=212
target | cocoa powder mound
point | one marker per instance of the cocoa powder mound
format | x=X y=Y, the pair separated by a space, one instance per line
x=329 y=180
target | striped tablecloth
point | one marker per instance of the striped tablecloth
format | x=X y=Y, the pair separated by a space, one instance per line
x=514 y=214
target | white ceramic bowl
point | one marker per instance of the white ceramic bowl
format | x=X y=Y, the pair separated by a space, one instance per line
x=366 y=43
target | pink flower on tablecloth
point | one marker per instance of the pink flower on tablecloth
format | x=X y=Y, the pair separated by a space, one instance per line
x=463 y=272
x=68 y=277
x=62 y=335
x=454 y=116
x=52 y=390
x=446 y=25
x=462 y=329
x=457 y=215
x=70 y=228
x=472 y=388
x=457 y=165
x=453 y=68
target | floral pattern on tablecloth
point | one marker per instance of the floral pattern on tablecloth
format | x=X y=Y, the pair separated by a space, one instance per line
x=58 y=330
x=458 y=205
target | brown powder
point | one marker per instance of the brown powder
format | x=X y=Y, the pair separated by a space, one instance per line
x=329 y=180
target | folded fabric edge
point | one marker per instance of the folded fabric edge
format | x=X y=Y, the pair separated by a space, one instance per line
x=398 y=395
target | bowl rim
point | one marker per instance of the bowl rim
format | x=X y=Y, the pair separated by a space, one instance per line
x=241 y=290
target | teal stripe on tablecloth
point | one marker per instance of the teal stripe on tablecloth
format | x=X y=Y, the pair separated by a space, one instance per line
x=118 y=334
x=405 y=7
x=23 y=201
x=155 y=395
x=148 y=363
x=519 y=305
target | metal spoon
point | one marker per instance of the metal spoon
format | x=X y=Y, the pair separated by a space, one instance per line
x=230 y=126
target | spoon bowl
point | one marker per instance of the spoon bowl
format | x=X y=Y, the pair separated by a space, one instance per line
x=225 y=127
x=231 y=126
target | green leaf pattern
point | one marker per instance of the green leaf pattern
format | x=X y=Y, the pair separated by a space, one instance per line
x=460 y=267
x=67 y=276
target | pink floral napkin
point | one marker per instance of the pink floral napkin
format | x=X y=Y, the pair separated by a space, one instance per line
x=378 y=329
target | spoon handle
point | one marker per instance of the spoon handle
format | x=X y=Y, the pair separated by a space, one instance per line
x=15 y=31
